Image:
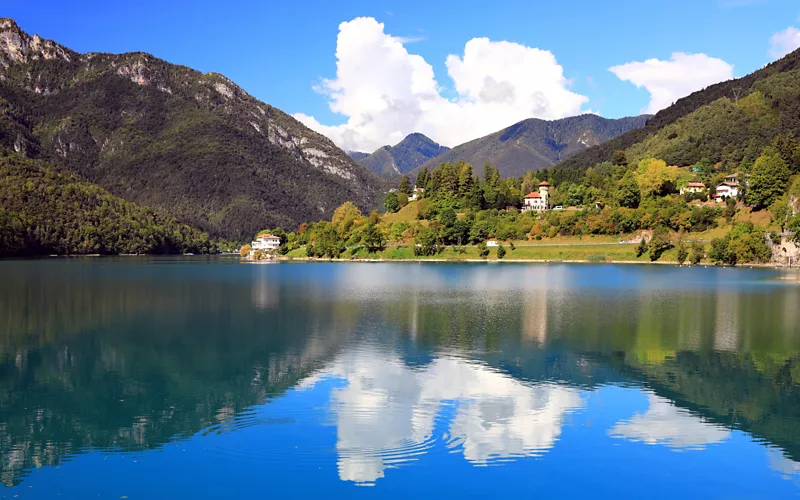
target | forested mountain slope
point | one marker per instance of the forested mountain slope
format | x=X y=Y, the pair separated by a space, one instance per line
x=46 y=211
x=741 y=87
x=191 y=144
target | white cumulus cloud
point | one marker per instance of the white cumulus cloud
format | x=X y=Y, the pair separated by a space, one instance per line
x=784 y=42
x=387 y=93
x=668 y=81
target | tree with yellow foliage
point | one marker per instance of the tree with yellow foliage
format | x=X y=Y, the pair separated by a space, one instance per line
x=344 y=216
x=655 y=178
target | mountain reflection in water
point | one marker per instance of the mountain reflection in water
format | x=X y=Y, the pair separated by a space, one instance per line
x=405 y=363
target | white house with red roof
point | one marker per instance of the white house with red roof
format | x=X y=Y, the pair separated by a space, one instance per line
x=266 y=243
x=538 y=202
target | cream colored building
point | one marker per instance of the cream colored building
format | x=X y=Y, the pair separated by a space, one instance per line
x=538 y=202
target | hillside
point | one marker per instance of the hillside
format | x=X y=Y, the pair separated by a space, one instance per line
x=535 y=144
x=683 y=107
x=392 y=161
x=45 y=211
x=191 y=144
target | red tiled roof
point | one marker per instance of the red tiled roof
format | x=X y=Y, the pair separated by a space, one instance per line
x=533 y=195
x=268 y=236
x=696 y=184
x=544 y=183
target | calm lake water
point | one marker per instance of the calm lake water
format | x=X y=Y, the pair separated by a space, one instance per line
x=211 y=378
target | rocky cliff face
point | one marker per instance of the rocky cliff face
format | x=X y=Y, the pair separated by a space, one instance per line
x=153 y=132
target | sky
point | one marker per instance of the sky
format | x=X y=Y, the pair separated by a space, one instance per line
x=367 y=72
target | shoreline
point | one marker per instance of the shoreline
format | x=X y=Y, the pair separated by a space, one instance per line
x=534 y=261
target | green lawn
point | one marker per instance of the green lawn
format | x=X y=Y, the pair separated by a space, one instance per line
x=592 y=253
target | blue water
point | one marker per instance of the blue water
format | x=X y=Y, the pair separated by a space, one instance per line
x=212 y=378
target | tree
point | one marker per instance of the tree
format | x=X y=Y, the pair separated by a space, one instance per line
x=483 y=249
x=659 y=243
x=769 y=179
x=345 y=215
x=244 y=251
x=628 y=193
x=427 y=242
x=405 y=185
x=655 y=178
x=325 y=241
x=391 y=203
x=641 y=248
x=730 y=209
x=698 y=252
x=422 y=178
x=501 y=251
x=683 y=252
x=373 y=238
x=618 y=158
x=465 y=179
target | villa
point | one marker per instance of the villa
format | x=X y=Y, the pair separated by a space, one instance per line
x=266 y=243
x=727 y=190
x=693 y=187
x=538 y=202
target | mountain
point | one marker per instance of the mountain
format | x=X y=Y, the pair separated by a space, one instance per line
x=391 y=161
x=535 y=144
x=776 y=85
x=190 y=144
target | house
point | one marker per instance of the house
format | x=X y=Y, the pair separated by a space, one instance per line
x=492 y=243
x=417 y=194
x=732 y=179
x=693 y=187
x=537 y=201
x=266 y=243
x=727 y=190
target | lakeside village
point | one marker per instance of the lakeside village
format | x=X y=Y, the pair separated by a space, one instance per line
x=620 y=212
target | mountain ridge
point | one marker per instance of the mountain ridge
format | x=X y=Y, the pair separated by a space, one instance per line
x=390 y=162
x=170 y=137
x=535 y=144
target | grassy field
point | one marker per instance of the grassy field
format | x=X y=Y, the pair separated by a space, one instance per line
x=547 y=252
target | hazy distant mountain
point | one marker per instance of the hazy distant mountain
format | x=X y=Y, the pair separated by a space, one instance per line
x=411 y=152
x=357 y=155
x=535 y=144
x=193 y=145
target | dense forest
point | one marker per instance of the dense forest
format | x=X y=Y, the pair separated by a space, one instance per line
x=44 y=211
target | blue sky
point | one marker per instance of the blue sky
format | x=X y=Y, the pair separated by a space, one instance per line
x=281 y=51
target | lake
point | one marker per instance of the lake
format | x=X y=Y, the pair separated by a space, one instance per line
x=213 y=378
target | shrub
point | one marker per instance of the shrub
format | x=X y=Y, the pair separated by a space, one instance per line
x=501 y=251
